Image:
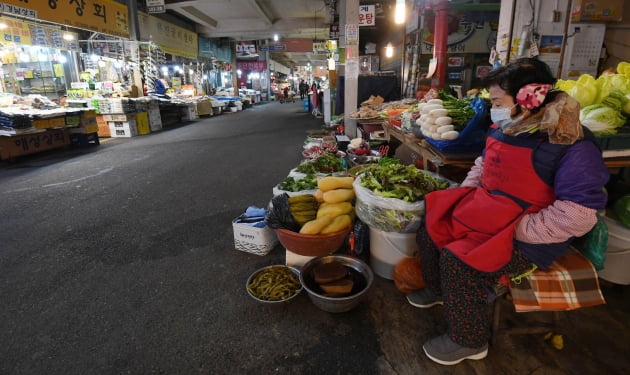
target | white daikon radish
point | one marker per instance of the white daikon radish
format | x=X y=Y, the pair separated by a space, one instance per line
x=436 y=135
x=429 y=107
x=419 y=121
x=438 y=112
x=435 y=101
x=445 y=128
x=453 y=134
x=444 y=120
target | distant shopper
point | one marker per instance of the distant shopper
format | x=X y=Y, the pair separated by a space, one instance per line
x=303 y=87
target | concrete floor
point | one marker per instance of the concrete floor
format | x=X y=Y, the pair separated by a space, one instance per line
x=120 y=258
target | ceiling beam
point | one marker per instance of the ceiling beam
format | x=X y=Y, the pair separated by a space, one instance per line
x=256 y=6
x=198 y=16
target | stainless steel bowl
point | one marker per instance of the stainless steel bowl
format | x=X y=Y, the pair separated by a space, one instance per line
x=361 y=273
x=253 y=275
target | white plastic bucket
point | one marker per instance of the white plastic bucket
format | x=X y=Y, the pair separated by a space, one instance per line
x=617 y=264
x=389 y=248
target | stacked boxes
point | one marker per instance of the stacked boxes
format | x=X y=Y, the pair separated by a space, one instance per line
x=122 y=125
x=87 y=122
x=152 y=108
x=142 y=123
x=189 y=112
x=103 y=126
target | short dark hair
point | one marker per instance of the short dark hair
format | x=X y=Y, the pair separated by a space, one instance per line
x=519 y=73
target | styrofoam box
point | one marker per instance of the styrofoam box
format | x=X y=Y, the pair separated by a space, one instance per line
x=617 y=264
x=125 y=129
x=259 y=241
x=296 y=260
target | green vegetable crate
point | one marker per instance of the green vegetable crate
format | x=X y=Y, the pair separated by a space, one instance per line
x=618 y=141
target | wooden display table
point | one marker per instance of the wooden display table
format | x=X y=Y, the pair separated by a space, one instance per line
x=432 y=155
x=12 y=146
x=429 y=153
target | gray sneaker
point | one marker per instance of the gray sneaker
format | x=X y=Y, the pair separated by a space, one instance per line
x=444 y=351
x=423 y=298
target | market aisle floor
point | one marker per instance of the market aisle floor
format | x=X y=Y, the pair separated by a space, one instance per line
x=119 y=259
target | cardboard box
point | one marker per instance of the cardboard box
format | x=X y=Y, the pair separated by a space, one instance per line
x=18 y=145
x=600 y=10
x=103 y=126
x=41 y=124
x=120 y=117
x=85 y=129
x=155 y=120
x=142 y=123
x=204 y=108
x=123 y=129
x=57 y=122
x=259 y=241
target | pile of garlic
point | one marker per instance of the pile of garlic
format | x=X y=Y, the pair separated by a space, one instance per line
x=435 y=122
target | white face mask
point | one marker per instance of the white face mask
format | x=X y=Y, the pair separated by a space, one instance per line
x=502 y=117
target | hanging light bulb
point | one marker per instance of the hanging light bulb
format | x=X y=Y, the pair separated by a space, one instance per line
x=389 y=50
x=399 y=12
x=275 y=37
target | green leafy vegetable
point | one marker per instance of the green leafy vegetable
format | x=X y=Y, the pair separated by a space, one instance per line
x=298 y=184
x=325 y=163
x=601 y=120
x=391 y=179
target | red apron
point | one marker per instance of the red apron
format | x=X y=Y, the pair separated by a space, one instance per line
x=477 y=223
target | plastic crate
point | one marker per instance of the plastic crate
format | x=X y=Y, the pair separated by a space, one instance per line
x=618 y=141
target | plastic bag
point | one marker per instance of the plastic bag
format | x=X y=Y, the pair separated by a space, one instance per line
x=593 y=244
x=386 y=214
x=473 y=137
x=408 y=275
x=278 y=214
x=622 y=209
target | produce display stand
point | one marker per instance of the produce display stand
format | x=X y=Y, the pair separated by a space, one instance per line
x=613 y=159
x=429 y=153
x=12 y=146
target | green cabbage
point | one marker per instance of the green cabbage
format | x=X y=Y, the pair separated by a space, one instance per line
x=601 y=120
x=617 y=100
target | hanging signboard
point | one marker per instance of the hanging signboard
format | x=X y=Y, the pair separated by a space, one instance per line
x=251 y=65
x=102 y=16
x=367 y=16
x=171 y=38
x=212 y=49
x=27 y=33
x=156 y=6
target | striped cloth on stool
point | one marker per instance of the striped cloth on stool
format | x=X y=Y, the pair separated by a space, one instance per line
x=569 y=283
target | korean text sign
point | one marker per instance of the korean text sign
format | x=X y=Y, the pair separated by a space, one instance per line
x=102 y=16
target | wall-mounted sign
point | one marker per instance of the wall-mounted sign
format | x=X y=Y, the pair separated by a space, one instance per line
x=333 y=32
x=171 y=38
x=367 y=15
x=102 y=16
x=352 y=34
x=156 y=6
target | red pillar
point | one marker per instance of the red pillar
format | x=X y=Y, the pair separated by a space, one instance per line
x=440 y=8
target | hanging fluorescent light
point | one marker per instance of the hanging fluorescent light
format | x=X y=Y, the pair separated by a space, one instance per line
x=3 y=25
x=399 y=12
x=68 y=36
x=389 y=50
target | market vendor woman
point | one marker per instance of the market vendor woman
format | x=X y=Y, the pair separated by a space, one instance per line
x=537 y=185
